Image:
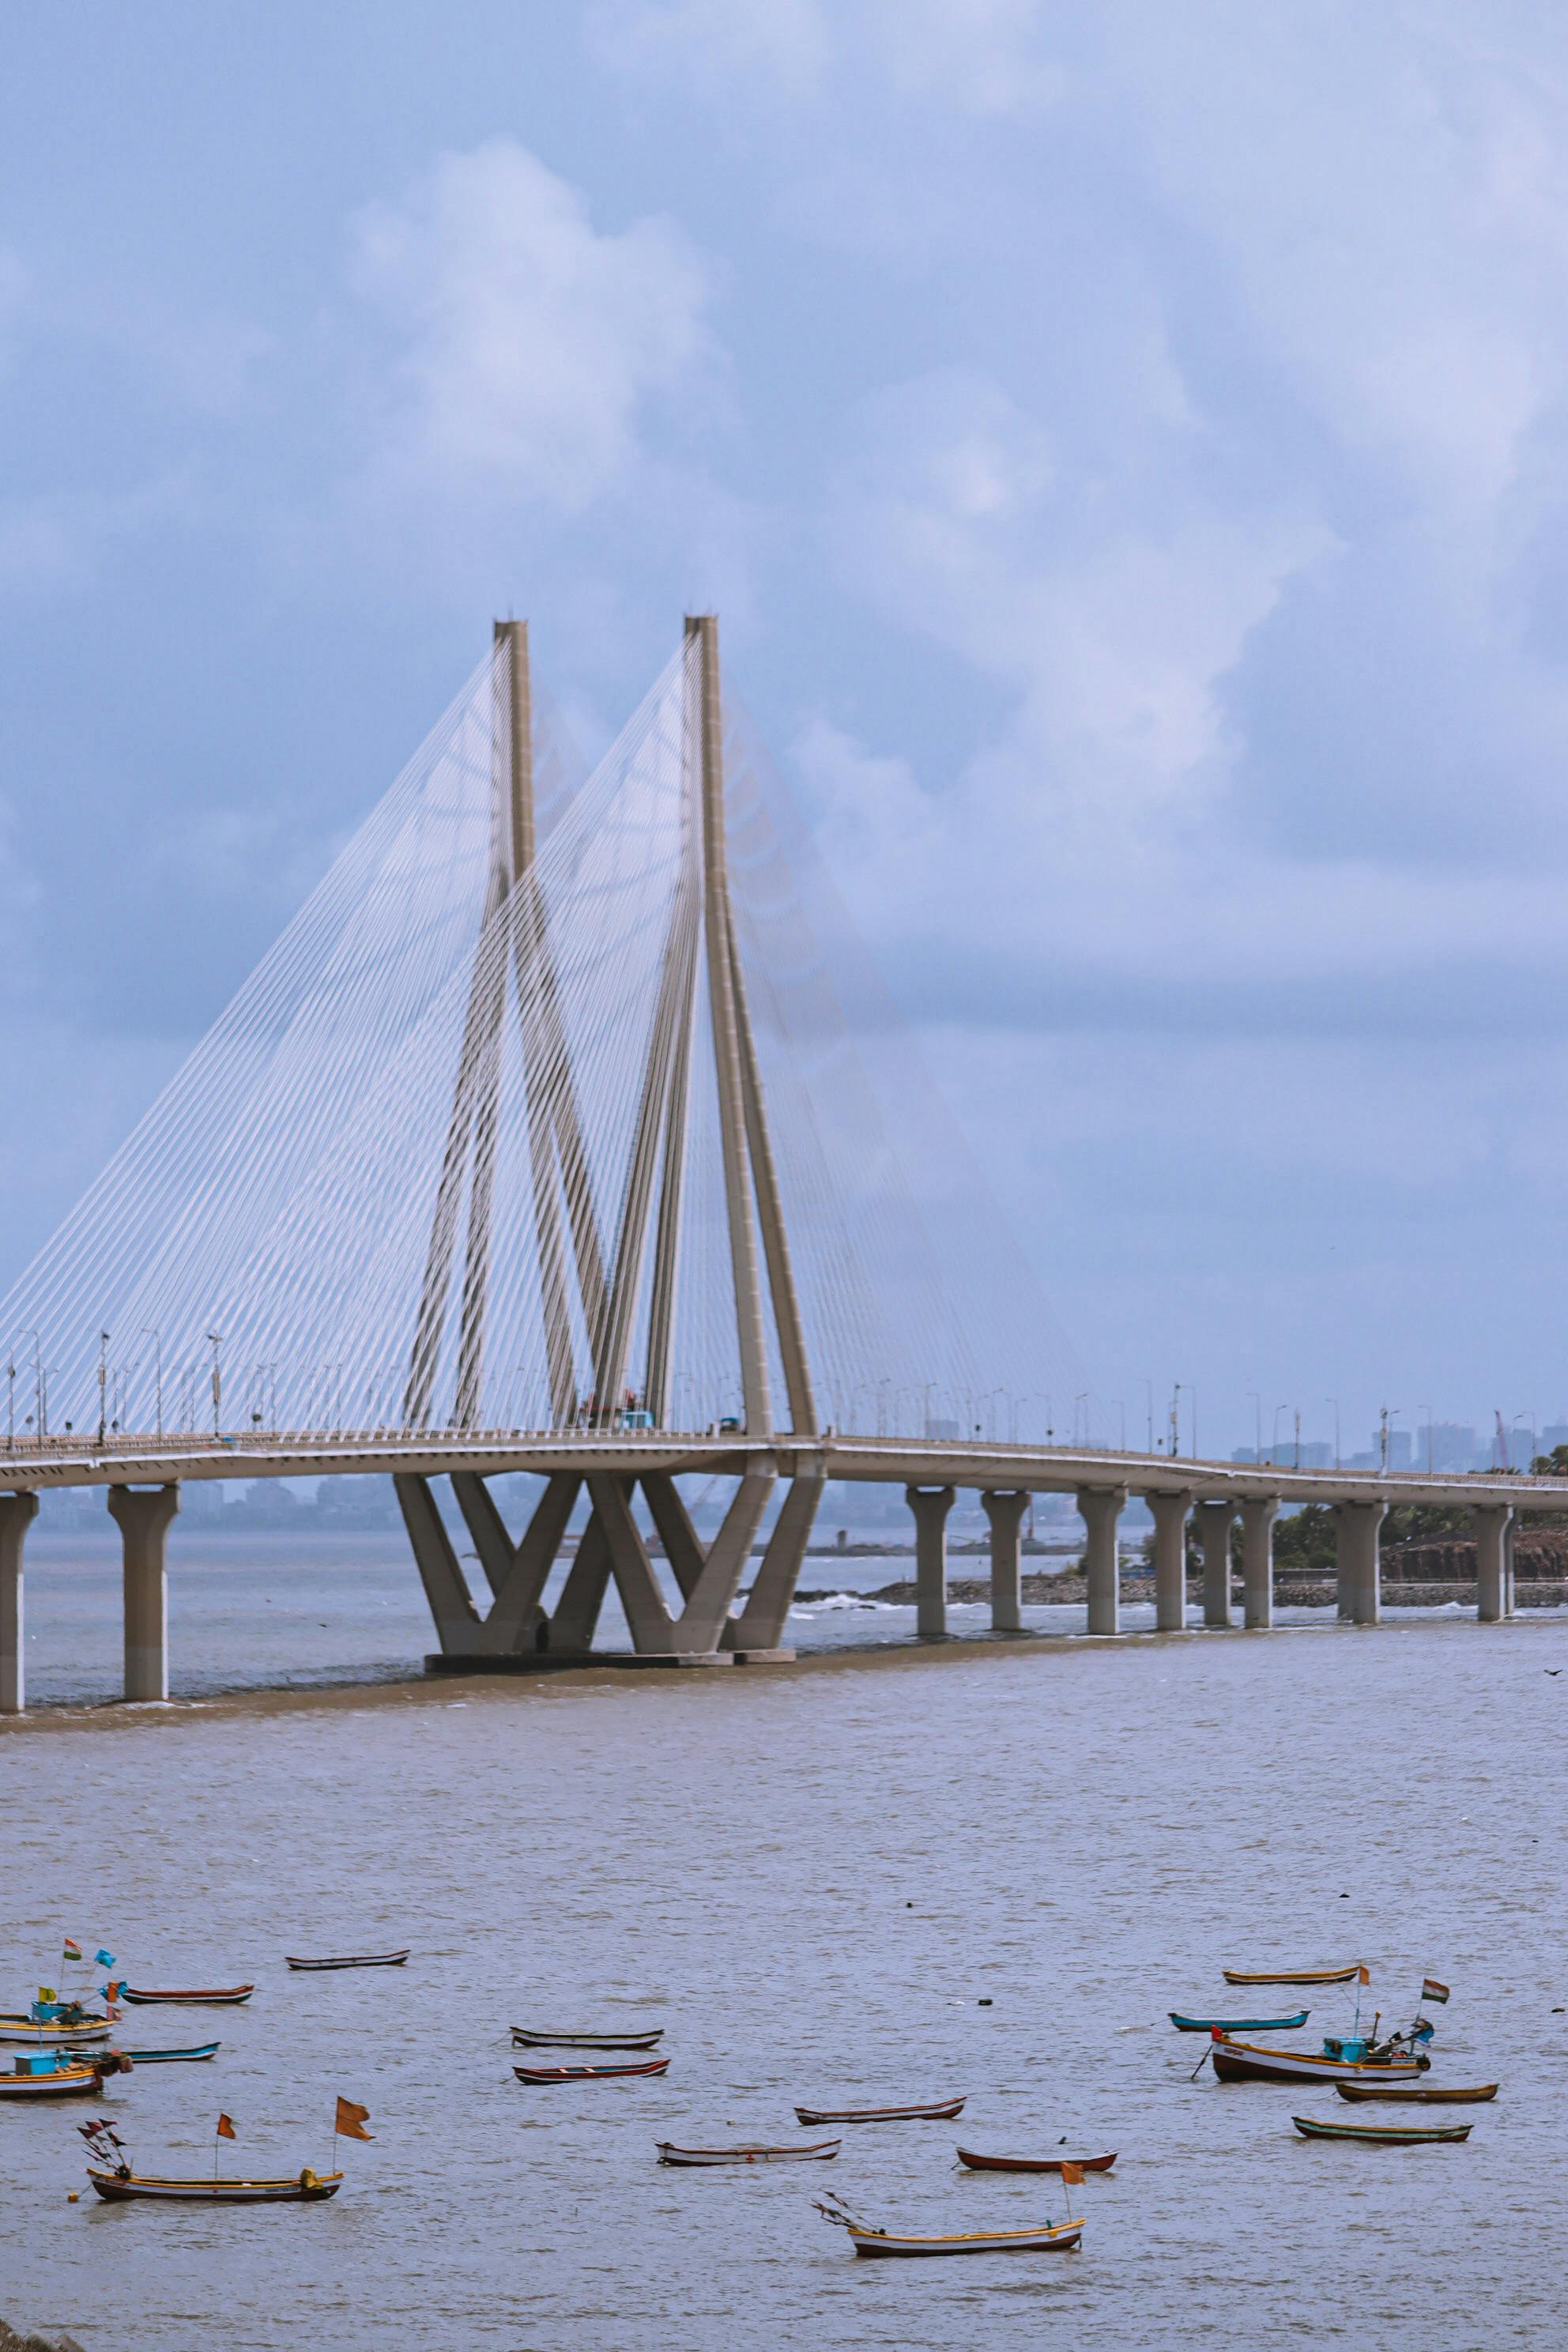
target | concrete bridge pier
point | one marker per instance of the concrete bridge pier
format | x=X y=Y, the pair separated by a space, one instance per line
x=144 y=1515
x=1214 y=1522
x=1101 y=1507
x=1258 y=1518
x=1493 y=1524
x=1169 y=1516
x=1005 y=1513
x=1359 y=1563
x=17 y=1515
x=930 y=1506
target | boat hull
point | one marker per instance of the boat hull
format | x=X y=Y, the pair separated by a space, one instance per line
x=1428 y=2095
x=1250 y=2061
x=172 y=2057
x=1237 y=2024
x=821 y=2151
x=69 y=2082
x=586 y=2073
x=524 y=2037
x=306 y=2188
x=942 y=2112
x=22 y=2032
x=1057 y=2239
x=226 y=1998
x=1296 y=1977
x=353 y=1961
x=1033 y=2163
x=1382 y=2135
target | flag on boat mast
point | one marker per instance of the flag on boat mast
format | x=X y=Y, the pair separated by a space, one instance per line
x=72 y=1949
x=104 y=1959
x=1363 y=1974
x=1072 y=2175
x=1432 y=1990
x=225 y=2127
x=350 y=2121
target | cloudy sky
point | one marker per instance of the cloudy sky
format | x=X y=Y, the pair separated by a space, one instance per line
x=1126 y=449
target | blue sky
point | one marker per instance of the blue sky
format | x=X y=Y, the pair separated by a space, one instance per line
x=1125 y=448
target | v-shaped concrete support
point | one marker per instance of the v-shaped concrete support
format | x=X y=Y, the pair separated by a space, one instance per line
x=611 y=1545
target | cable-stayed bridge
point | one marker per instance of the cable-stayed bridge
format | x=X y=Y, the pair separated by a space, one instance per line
x=565 y=1130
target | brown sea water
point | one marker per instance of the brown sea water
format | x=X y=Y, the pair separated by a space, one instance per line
x=810 y=1879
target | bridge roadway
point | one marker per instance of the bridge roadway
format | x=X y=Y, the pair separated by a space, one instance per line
x=142 y=1473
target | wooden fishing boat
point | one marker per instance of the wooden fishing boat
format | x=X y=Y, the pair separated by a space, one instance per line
x=1045 y=2238
x=1033 y=2163
x=818 y=2152
x=943 y=2112
x=35 y=2034
x=304 y=2188
x=1382 y=2135
x=586 y=2073
x=226 y=1998
x=1431 y=2095
x=353 y=1961
x=172 y=2057
x=528 y=2037
x=77 y=2078
x=1294 y=1976
x=1237 y=2024
x=1254 y=2062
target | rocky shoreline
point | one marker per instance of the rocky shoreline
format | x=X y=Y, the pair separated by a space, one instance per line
x=10 y=2341
x=1289 y=1592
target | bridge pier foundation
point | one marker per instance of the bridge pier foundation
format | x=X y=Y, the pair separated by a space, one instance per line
x=1257 y=1517
x=1101 y=1507
x=930 y=1506
x=1214 y=1521
x=144 y=1515
x=1005 y=1513
x=1169 y=1512
x=17 y=1515
x=1493 y=1524
x=1359 y=1563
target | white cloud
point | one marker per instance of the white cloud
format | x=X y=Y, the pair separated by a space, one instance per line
x=528 y=345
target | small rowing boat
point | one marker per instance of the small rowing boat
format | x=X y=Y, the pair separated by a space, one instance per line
x=528 y=2037
x=1294 y=1976
x=43 y=2076
x=228 y=1997
x=818 y=2152
x=942 y=2112
x=172 y=2057
x=1382 y=2135
x=1254 y=2062
x=1045 y=2237
x=586 y=2073
x=353 y=1960
x=1033 y=2163
x=1431 y=2095
x=304 y=2188
x=1237 y=2024
x=50 y=2033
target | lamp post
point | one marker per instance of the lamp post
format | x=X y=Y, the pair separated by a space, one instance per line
x=149 y=1333
x=102 y=1384
x=217 y=1339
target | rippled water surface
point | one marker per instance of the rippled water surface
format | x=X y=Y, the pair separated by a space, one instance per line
x=810 y=1878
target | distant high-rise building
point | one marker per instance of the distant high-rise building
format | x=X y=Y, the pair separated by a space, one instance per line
x=1449 y=1446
